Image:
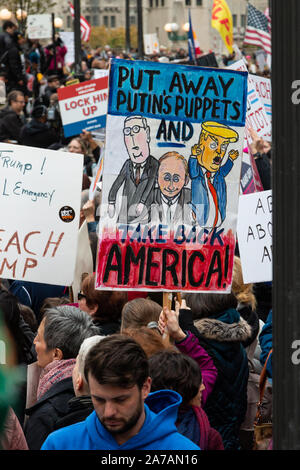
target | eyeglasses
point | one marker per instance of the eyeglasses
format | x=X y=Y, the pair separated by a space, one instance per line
x=17 y=101
x=81 y=296
x=135 y=129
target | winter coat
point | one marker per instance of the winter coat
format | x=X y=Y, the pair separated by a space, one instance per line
x=79 y=408
x=12 y=435
x=43 y=416
x=11 y=124
x=158 y=432
x=193 y=423
x=265 y=340
x=221 y=336
x=38 y=134
x=191 y=347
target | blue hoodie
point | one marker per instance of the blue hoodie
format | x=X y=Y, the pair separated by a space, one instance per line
x=157 y=433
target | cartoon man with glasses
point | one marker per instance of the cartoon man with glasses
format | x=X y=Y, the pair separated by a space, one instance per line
x=208 y=188
x=138 y=174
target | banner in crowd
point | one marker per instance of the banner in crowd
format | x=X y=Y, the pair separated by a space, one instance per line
x=256 y=117
x=171 y=175
x=221 y=20
x=83 y=106
x=254 y=233
x=39 y=26
x=40 y=204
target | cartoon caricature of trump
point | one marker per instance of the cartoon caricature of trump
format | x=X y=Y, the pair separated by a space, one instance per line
x=208 y=187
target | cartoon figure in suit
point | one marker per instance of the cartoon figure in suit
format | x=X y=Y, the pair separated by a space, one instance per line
x=209 y=192
x=138 y=174
x=172 y=199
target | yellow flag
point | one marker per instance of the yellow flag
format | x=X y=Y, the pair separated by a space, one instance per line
x=222 y=20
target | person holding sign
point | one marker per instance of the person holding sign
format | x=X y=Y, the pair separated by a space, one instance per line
x=138 y=173
x=207 y=173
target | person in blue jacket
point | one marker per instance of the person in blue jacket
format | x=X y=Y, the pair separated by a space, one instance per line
x=126 y=416
x=265 y=341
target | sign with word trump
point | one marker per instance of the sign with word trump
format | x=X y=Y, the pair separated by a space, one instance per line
x=174 y=141
x=40 y=204
x=254 y=233
x=83 y=106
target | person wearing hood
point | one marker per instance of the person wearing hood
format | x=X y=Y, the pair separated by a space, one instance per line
x=126 y=416
x=37 y=132
x=221 y=331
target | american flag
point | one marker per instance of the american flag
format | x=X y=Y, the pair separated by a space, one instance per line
x=257 y=31
x=85 y=27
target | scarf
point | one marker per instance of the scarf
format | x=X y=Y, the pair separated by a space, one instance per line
x=193 y=424
x=54 y=373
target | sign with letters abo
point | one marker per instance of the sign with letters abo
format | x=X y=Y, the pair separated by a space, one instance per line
x=83 y=106
x=171 y=174
x=254 y=233
x=40 y=205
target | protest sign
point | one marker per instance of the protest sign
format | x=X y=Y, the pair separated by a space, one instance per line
x=254 y=233
x=256 y=117
x=151 y=44
x=68 y=39
x=250 y=180
x=40 y=204
x=83 y=106
x=99 y=73
x=171 y=174
x=39 y=26
x=264 y=91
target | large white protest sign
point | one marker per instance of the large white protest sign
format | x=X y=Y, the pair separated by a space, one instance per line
x=83 y=106
x=254 y=232
x=256 y=117
x=68 y=39
x=39 y=26
x=40 y=205
x=264 y=91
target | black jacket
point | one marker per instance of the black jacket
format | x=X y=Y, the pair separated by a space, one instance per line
x=46 y=412
x=10 y=125
x=79 y=408
x=38 y=134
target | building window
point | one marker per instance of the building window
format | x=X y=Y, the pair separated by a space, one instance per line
x=156 y=3
x=199 y=3
x=150 y=3
x=162 y=3
x=105 y=21
x=234 y=20
x=69 y=23
x=112 y=21
x=88 y=18
x=132 y=20
x=188 y=3
x=243 y=21
x=95 y=20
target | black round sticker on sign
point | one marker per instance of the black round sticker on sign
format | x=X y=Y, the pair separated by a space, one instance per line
x=67 y=214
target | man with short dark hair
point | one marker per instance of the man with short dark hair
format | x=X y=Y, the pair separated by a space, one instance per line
x=126 y=417
x=11 y=117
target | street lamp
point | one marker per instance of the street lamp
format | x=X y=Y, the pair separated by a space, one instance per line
x=172 y=30
x=5 y=14
x=58 y=22
x=21 y=14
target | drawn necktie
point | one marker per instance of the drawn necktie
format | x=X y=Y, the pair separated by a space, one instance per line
x=137 y=173
x=169 y=214
x=214 y=196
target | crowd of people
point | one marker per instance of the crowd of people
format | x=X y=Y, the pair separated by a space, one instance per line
x=119 y=370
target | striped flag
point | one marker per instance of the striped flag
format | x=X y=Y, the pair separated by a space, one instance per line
x=85 y=27
x=267 y=14
x=257 y=31
x=194 y=48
